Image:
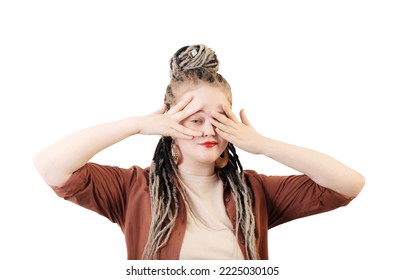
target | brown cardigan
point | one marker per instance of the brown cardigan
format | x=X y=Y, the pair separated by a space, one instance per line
x=122 y=195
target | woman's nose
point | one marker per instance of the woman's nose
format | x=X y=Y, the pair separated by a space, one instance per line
x=208 y=129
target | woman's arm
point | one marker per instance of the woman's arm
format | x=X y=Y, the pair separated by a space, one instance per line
x=323 y=169
x=57 y=162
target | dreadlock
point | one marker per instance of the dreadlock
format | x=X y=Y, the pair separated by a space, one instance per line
x=163 y=196
x=233 y=174
x=193 y=64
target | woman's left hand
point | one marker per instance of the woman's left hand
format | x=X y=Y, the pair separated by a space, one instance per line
x=241 y=134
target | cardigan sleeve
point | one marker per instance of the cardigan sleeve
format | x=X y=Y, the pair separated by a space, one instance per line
x=100 y=188
x=295 y=196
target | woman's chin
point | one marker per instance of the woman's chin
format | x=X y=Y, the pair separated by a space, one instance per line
x=204 y=161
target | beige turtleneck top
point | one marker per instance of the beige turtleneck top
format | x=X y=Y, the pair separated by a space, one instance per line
x=209 y=232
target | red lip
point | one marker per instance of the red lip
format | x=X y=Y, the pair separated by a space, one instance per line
x=208 y=144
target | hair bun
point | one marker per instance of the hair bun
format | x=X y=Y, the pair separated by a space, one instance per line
x=193 y=57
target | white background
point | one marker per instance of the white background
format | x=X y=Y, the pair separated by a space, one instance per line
x=327 y=75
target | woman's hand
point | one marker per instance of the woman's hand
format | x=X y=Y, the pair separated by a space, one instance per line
x=241 y=134
x=168 y=123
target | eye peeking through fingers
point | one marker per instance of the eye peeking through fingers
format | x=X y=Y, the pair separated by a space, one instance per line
x=194 y=121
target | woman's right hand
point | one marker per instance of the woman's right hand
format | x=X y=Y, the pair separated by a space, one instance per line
x=168 y=123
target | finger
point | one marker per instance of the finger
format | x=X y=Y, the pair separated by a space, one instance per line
x=181 y=104
x=176 y=134
x=186 y=131
x=226 y=136
x=188 y=111
x=229 y=113
x=184 y=134
x=222 y=118
x=244 y=119
x=161 y=110
x=220 y=125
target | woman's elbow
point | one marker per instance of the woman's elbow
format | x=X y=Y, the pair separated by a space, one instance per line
x=356 y=185
x=40 y=164
x=48 y=171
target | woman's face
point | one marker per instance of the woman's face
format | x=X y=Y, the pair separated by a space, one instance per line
x=202 y=151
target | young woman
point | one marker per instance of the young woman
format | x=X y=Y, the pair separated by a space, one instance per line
x=195 y=201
